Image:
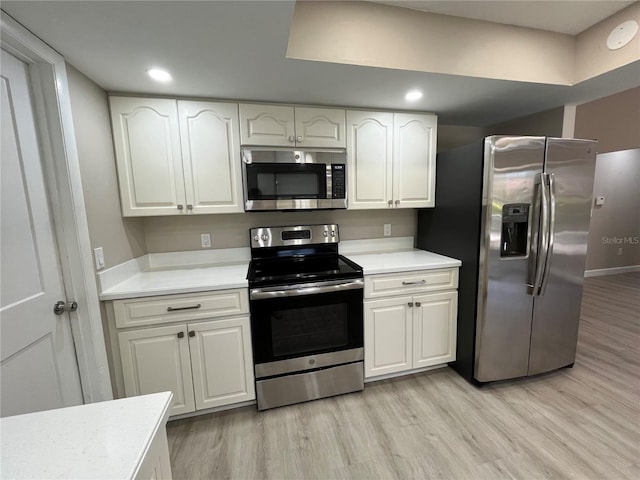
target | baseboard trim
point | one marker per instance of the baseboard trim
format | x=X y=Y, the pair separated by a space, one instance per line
x=403 y=373
x=611 y=271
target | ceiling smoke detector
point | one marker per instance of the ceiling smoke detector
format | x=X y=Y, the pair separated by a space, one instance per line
x=622 y=34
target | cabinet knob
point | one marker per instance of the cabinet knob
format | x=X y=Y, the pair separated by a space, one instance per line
x=189 y=207
x=410 y=304
x=397 y=202
x=418 y=304
x=180 y=206
x=180 y=334
x=292 y=138
x=390 y=202
x=192 y=333
x=299 y=139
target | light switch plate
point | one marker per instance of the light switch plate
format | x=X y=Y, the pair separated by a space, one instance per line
x=98 y=255
x=387 y=229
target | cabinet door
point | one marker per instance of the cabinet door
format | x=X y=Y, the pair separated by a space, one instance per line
x=320 y=127
x=369 y=154
x=267 y=125
x=387 y=336
x=414 y=166
x=434 y=328
x=157 y=360
x=222 y=362
x=147 y=146
x=210 y=138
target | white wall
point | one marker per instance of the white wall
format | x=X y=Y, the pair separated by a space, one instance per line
x=616 y=224
x=121 y=238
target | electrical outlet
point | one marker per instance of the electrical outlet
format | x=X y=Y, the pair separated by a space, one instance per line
x=619 y=250
x=205 y=240
x=98 y=255
x=387 y=229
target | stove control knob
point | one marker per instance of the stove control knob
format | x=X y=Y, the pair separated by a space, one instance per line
x=333 y=233
x=256 y=237
x=325 y=233
x=264 y=237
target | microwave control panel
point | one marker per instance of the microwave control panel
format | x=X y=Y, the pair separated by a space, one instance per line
x=338 y=180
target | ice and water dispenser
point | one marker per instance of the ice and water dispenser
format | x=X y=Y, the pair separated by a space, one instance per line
x=515 y=226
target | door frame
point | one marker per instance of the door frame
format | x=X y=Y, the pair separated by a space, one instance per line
x=54 y=124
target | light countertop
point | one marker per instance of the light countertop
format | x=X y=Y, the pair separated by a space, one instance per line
x=179 y=280
x=402 y=261
x=192 y=272
x=97 y=440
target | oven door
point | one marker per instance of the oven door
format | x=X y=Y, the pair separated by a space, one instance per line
x=306 y=326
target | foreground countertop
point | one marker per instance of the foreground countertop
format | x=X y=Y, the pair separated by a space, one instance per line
x=99 y=440
x=200 y=271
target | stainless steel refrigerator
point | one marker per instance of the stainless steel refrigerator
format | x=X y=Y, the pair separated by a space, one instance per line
x=516 y=211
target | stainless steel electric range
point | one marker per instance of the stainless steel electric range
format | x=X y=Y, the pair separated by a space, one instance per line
x=306 y=315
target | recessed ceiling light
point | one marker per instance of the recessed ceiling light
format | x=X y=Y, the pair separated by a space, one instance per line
x=413 y=95
x=159 y=75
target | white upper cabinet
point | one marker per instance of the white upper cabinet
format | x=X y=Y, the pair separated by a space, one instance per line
x=414 y=154
x=267 y=125
x=210 y=154
x=391 y=159
x=281 y=126
x=175 y=157
x=147 y=146
x=369 y=152
x=320 y=127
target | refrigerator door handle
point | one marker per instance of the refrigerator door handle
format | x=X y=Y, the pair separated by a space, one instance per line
x=542 y=237
x=550 y=231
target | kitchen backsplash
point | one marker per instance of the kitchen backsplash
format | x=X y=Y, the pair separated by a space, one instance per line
x=173 y=234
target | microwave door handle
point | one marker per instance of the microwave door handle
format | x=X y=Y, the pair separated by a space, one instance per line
x=550 y=232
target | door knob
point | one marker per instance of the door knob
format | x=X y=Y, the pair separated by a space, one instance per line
x=61 y=306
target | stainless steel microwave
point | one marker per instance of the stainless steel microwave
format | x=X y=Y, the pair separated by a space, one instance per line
x=288 y=179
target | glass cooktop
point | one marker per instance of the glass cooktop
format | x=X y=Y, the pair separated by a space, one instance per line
x=301 y=269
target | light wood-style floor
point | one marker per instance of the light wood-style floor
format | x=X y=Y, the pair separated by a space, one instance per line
x=581 y=423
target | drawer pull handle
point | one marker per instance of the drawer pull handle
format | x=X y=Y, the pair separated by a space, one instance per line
x=175 y=309
x=421 y=282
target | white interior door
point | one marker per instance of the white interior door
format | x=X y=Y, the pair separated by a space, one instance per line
x=38 y=362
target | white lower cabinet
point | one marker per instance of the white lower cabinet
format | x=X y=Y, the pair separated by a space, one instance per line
x=387 y=336
x=221 y=362
x=205 y=364
x=157 y=360
x=408 y=332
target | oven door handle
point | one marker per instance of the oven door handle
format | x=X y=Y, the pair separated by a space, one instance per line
x=305 y=289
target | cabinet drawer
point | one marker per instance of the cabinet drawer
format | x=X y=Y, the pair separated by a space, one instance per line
x=410 y=282
x=175 y=308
